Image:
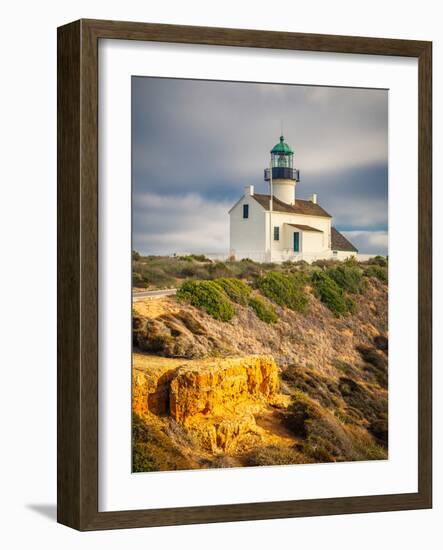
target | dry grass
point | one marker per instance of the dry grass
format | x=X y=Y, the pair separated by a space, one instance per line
x=273 y=455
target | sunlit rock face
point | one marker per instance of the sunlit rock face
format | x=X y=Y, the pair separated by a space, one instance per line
x=215 y=399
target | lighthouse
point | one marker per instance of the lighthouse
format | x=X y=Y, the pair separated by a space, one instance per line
x=277 y=227
x=281 y=174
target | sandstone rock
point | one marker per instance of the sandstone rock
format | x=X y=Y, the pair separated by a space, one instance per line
x=223 y=434
x=221 y=388
x=214 y=400
x=150 y=390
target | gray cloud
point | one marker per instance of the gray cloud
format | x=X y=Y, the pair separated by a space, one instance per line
x=369 y=242
x=190 y=223
x=200 y=142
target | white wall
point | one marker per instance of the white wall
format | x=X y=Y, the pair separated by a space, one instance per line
x=28 y=228
x=312 y=245
x=247 y=235
x=313 y=242
x=250 y=237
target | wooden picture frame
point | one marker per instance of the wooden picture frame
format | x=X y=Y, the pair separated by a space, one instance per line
x=78 y=274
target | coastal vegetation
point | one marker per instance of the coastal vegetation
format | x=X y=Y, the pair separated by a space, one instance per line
x=260 y=364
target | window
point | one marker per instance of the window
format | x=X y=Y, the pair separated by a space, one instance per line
x=276 y=233
x=246 y=211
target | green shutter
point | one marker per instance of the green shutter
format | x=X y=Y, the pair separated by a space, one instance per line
x=296 y=242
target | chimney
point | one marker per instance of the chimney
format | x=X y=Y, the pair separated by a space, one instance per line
x=314 y=198
x=249 y=190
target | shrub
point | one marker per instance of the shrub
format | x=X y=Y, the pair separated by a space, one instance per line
x=351 y=261
x=380 y=430
x=264 y=311
x=224 y=461
x=324 y=437
x=218 y=269
x=209 y=296
x=380 y=273
x=324 y=263
x=379 y=260
x=155 y=276
x=306 y=380
x=376 y=363
x=331 y=294
x=249 y=270
x=138 y=280
x=191 y=271
x=135 y=255
x=287 y=263
x=284 y=290
x=347 y=276
x=381 y=343
x=237 y=290
x=273 y=455
x=200 y=258
x=152 y=450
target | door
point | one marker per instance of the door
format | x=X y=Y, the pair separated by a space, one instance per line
x=296 y=242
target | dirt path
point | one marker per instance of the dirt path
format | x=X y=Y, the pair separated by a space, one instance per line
x=273 y=425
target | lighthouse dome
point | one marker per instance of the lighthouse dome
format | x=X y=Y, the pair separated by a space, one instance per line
x=282 y=148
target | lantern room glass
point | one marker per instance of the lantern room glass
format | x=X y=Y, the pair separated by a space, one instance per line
x=282 y=160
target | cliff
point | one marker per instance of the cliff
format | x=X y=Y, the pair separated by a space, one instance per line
x=310 y=388
x=215 y=400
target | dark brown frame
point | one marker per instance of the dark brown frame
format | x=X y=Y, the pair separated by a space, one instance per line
x=77 y=456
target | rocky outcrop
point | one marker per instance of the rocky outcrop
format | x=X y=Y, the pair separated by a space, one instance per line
x=214 y=399
x=220 y=389
x=209 y=389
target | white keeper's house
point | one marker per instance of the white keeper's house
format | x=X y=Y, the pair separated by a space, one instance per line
x=279 y=227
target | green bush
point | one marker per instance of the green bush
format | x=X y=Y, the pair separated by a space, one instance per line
x=209 y=296
x=331 y=294
x=237 y=290
x=285 y=290
x=377 y=271
x=264 y=311
x=348 y=277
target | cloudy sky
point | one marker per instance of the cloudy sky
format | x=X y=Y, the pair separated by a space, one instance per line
x=196 y=144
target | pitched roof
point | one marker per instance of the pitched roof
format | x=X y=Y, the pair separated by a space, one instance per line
x=299 y=207
x=339 y=242
x=305 y=227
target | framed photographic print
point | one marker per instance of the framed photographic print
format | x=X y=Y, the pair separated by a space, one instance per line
x=244 y=275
